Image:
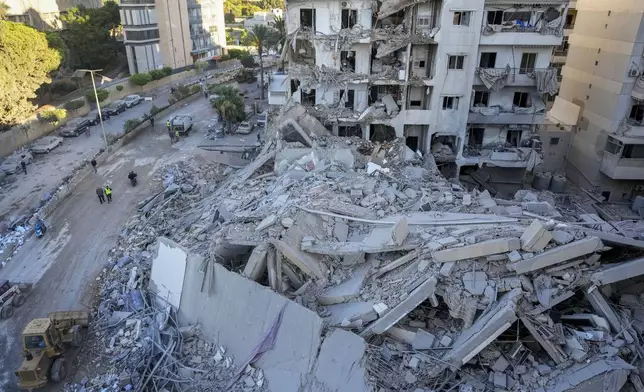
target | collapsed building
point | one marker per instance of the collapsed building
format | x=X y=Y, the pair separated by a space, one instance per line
x=465 y=80
x=339 y=264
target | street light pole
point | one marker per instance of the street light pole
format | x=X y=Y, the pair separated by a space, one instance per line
x=98 y=106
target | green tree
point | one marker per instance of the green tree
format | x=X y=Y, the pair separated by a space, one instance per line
x=140 y=79
x=229 y=18
x=102 y=95
x=262 y=37
x=119 y=87
x=90 y=33
x=279 y=25
x=4 y=9
x=52 y=116
x=26 y=64
x=74 y=105
x=248 y=61
x=157 y=74
x=228 y=104
x=55 y=41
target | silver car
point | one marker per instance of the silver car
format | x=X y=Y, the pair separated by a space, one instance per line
x=132 y=100
x=12 y=164
x=46 y=144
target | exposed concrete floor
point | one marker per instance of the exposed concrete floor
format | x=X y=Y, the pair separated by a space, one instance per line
x=64 y=263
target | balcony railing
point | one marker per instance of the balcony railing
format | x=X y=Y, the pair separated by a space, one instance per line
x=560 y=52
x=496 y=78
x=136 y=2
x=544 y=29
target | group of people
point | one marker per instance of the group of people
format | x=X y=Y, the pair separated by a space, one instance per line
x=103 y=192
x=174 y=135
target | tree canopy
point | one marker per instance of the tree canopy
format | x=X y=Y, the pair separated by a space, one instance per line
x=90 y=34
x=4 y=8
x=228 y=104
x=26 y=61
x=262 y=37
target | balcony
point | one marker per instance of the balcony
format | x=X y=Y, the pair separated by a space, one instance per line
x=135 y=2
x=623 y=158
x=512 y=157
x=499 y=115
x=494 y=78
x=513 y=34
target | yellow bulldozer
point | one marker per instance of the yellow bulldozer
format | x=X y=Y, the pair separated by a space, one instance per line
x=44 y=342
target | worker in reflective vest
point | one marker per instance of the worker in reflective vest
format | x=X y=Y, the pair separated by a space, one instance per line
x=108 y=193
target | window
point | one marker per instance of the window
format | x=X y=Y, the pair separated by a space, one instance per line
x=419 y=64
x=637 y=113
x=554 y=141
x=517 y=16
x=481 y=98
x=522 y=100
x=475 y=137
x=141 y=35
x=455 y=62
x=423 y=21
x=414 y=104
x=635 y=151
x=450 y=103
x=308 y=98
x=462 y=18
x=349 y=18
x=495 y=17
x=307 y=18
x=488 y=60
x=570 y=21
x=528 y=60
x=348 y=61
x=606 y=195
x=613 y=146
x=348 y=103
x=513 y=137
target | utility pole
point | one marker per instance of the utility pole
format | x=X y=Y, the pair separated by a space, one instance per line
x=98 y=105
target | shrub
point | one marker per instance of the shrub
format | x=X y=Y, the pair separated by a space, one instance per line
x=195 y=88
x=75 y=104
x=140 y=79
x=248 y=61
x=237 y=53
x=167 y=71
x=245 y=76
x=131 y=124
x=172 y=100
x=52 y=116
x=62 y=87
x=119 y=88
x=200 y=66
x=100 y=93
x=157 y=74
x=154 y=110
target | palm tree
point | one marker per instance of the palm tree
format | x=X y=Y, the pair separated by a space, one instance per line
x=280 y=27
x=260 y=36
x=228 y=104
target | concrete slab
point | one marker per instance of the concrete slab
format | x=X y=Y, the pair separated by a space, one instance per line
x=423 y=340
x=618 y=272
x=475 y=282
x=240 y=313
x=346 y=290
x=480 y=249
x=414 y=299
x=536 y=237
x=397 y=263
x=610 y=373
x=340 y=365
x=168 y=270
x=308 y=263
x=351 y=312
x=557 y=255
x=256 y=265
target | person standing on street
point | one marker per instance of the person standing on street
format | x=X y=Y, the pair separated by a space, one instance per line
x=108 y=193
x=176 y=135
x=100 y=194
x=94 y=165
x=24 y=166
x=152 y=122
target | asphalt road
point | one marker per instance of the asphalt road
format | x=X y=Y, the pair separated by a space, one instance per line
x=64 y=263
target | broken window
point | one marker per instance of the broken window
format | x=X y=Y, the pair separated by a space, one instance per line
x=637 y=114
x=462 y=18
x=488 y=60
x=349 y=130
x=513 y=137
x=481 y=99
x=304 y=52
x=295 y=85
x=308 y=98
x=450 y=103
x=419 y=64
x=349 y=18
x=613 y=146
x=475 y=137
x=528 y=60
x=517 y=16
x=562 y=49
x=423 y=21
x=415 y=104
x=635 y=151
x=570 y=21
x=348 y=100
x=307 y=18
x=495 y=17
x=455 y=62
x=554 y=141
x=412 y=142
x=347 y=61
x=521 y=100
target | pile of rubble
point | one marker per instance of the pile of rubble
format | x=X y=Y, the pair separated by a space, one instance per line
x=442 y=288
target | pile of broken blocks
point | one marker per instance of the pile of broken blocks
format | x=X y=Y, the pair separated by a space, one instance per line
x=450 y=288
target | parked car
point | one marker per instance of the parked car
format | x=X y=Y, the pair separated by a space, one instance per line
x=245 y=128
x=181 y=123
x=93 y=116
x=116 y=107
x=74 y=127
x=12 y=164
x=132 y=100
x=46 y=144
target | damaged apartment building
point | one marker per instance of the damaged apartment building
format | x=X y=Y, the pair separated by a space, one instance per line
x=464 y=80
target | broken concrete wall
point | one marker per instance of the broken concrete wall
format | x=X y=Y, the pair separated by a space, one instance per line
x=240 y=312
x=168 y=271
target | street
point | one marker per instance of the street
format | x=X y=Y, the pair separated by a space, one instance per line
x=63 y=264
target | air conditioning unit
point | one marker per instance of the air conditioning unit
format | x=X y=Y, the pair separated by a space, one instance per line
x=345 y=4
x=633 y=73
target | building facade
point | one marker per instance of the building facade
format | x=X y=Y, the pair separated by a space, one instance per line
x=463 y=79
x=603 y=77
x=44 y=14
x=174 y=33
x=264 y=18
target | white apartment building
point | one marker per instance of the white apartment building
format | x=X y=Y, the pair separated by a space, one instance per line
x=173 y=33
x=44 y=14
x=464 y=79
x=264 y=18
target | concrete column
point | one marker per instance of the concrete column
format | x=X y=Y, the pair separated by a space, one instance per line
x=601 y=306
